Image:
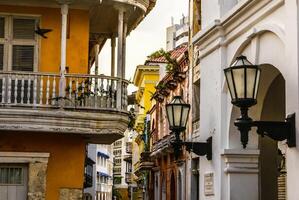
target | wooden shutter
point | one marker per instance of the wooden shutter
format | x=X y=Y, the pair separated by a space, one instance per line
x=2 y=25
x=23 y=28
x=23 y=57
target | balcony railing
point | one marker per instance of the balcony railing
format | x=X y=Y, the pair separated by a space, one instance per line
x=129 y=147
x=80 y=91
x=93 y=105
x=128 y=177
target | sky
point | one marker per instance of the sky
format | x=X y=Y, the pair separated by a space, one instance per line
x=149 y=36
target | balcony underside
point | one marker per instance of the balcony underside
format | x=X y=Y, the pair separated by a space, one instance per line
x=98 y=12
x=102 y=127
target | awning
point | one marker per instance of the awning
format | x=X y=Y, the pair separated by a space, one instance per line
x=103 y=174
x=103 y=155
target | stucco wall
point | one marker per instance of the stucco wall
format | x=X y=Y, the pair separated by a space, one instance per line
x=77 y=44
x=66 y=162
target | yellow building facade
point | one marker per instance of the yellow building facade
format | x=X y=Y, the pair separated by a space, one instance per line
x=146 y=78
x=51 y=107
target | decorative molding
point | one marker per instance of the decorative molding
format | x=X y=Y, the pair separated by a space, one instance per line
x=23 y=157
x=242 y=161
x=224 y=31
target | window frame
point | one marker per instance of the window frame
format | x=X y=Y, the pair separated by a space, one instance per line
x=8 y=41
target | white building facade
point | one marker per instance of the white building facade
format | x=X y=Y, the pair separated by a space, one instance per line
x=122 y=165
x=266 y=31
x=177 y=34
x=102 y=171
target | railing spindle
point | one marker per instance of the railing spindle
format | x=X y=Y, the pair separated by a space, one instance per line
x=41 y=90
x=3 y=89
x=28 y=89
x=108 y=88
x=82 y=92
x=22 y=90
x=16 y=89
x=77 y=91
x=35 y=90
x=70 y=88
x=9 y=89
x=48 y=90
x=54 y=90
x=95 y=92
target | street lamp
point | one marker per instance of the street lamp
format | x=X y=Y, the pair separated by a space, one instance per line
x=177 y=114
x=243 y=79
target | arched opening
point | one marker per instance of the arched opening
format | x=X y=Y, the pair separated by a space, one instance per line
x=172 y=187
x=270 y=155
x=180 y=188
x=163 y=188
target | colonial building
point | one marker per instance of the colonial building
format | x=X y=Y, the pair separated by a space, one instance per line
x=177 y=34
x=168 y=174
x=122 y=166
x=51 y=108
x=102 y=172
x=145 y=78
x=266 y=32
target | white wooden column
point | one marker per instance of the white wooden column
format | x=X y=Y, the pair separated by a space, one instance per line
x=124 y=47
x=120 y=42
x=96 y=58
x=113 y=44
x=62 y=84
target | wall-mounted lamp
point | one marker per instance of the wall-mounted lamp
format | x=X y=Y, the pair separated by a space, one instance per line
x=177 y=115
x=243 y=80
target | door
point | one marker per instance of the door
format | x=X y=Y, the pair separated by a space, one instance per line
x=13 y=182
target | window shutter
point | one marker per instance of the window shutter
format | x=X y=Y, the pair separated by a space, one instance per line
x=1 y=56
x=23 y=57
x=2 y=23
x=23 y=28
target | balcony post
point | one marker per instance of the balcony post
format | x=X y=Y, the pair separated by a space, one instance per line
x=62 y=82
x=124 y=44
x=120 y=56
x=96 y=59
x=113 y=44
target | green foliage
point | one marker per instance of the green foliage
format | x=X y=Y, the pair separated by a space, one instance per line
x=172 y=65
x=132 y=119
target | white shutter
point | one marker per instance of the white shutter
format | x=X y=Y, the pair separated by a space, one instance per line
x=23 y=28
x=23 y=57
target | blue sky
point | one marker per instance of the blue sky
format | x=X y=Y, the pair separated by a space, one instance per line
x=148 y=37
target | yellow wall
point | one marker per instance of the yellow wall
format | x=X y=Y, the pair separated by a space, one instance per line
x=66 y=162
x=77 y=44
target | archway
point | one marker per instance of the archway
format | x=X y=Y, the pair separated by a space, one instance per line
x=172 y=187
x=273 y=109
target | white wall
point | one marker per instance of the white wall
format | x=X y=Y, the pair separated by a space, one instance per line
x=266 y=32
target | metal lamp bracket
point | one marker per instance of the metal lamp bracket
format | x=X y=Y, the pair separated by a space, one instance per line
x=200 y=148
x=276 y=130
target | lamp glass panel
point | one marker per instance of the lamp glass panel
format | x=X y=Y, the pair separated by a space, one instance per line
x=185 y=115
x=177 y=109
x=257 y=83
x=239 y=82
x=251 y=72
x=169 y=114
x=230 y=83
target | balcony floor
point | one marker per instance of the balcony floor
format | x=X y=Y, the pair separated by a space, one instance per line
x=102 y=127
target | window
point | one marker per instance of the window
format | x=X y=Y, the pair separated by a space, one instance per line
x=11 y=175
x=18 y=43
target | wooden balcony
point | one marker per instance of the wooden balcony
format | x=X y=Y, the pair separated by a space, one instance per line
x=89 y=105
